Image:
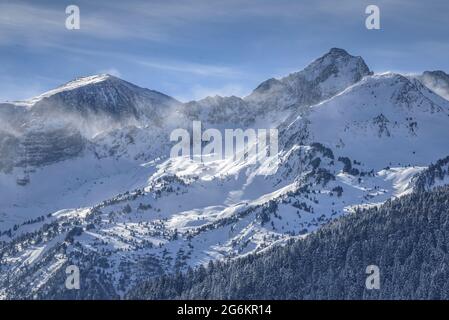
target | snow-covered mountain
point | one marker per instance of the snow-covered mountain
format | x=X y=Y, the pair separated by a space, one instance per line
x=274 y=99
x=102 y=95
x=380 y=113
x=323 y=78
x=63 y=122
x=111 y=201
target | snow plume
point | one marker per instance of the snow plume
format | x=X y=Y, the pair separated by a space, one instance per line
x=437 y=81
x=440 y=90
x=6 y=127
x=89 y=125
x=237 y=144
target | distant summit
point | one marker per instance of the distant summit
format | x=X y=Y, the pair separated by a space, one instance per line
x=321 y=79
x=102 y=95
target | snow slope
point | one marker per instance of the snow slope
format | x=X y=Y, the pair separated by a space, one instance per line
x=382 y=120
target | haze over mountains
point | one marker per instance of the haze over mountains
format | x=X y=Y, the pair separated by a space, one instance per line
x=86 y=177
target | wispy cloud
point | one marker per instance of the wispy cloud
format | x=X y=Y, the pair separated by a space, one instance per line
x=112 y=71
x=192 y=68
x=40 y=24
x=156 y=63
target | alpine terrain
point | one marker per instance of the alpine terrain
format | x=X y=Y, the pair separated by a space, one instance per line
x=86 y=179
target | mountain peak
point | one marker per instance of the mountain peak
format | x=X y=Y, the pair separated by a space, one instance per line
x=91 y=79
x=82 y=81
x=102 y=95
x=335 y=61
x=71 y=85
x=321 y=79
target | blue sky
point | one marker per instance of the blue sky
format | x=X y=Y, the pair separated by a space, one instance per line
x=190 y=49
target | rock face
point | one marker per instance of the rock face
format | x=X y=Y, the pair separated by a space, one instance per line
x=9 y=152
x=12 y=119
x=39 y=148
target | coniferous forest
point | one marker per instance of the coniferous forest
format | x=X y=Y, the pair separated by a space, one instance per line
x=407 y=238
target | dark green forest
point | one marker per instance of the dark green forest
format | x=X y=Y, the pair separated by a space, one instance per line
x=407 y=238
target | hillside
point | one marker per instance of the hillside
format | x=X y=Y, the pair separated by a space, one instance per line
x=407 y=239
